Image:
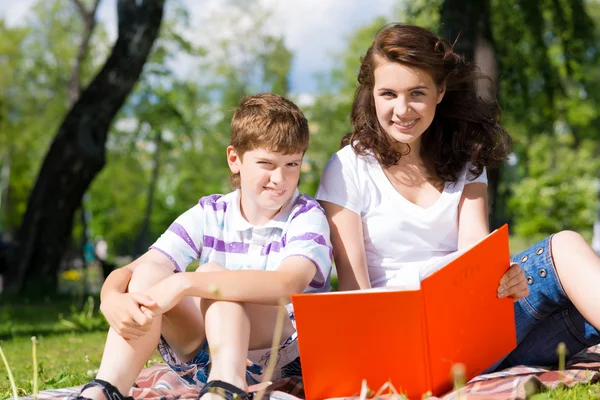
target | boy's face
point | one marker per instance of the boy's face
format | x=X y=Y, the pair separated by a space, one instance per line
x=268 y=180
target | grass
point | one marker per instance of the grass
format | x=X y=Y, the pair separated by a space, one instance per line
x=63 y=360
x=70 y=333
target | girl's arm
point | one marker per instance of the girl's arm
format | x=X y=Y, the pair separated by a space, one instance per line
x=348 y=247
x=472 y=215
x=473 y=226
x=250 y=286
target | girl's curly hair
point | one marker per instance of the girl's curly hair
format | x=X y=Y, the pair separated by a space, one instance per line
x=465 y=127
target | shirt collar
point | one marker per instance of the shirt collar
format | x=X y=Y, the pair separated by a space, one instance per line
x=237 y=222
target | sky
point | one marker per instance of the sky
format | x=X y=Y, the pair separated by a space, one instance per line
x=314 y=30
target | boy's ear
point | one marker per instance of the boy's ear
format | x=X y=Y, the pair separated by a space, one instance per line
x=233 y=160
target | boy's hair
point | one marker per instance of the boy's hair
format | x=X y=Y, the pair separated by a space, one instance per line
x=267 y=121
x=465 y=127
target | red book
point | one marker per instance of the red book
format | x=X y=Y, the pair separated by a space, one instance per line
x=410 y=338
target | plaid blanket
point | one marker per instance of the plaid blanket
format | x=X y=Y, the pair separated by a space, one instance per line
x=159 y=382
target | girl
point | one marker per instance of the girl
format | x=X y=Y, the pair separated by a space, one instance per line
x=410 y=187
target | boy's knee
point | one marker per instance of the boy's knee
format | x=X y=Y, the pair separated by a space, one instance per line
x=147 y=274
x=211 y=267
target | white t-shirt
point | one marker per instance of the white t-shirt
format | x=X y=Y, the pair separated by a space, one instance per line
x=401 y=238
x=214 y=230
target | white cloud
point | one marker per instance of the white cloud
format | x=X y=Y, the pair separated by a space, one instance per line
x=15 y=11
x=315 y=30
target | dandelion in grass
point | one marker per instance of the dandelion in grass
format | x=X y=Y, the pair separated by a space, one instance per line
x=561 y=350
x=459 y=373
x=11 y=379
x=34 y=342
x=276 y=340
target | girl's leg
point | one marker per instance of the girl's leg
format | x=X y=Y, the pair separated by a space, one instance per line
x=539 y=346
x=547 y=316
x=123 y=359
x=578 y=268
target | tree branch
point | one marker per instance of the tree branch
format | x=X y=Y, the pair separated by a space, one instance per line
x=89 y=23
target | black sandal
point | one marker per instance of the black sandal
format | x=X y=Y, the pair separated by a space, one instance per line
x=225 y=390
x=109 y=391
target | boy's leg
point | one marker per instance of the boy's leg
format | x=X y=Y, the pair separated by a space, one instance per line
x=182 y=327
x=234 y=328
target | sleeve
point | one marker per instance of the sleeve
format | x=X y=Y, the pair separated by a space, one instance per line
x=339 y=183
x=471 y=177
x=308 y=236
x=182 y=242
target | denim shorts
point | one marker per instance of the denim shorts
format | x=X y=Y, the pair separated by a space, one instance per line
x=546 y=317
x=195 y=371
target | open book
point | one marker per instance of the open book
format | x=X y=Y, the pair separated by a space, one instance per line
x=411 y=338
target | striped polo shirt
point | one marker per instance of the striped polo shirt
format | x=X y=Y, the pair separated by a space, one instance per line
x=215 y=231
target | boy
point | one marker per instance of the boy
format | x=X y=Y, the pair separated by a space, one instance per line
x=256 y=246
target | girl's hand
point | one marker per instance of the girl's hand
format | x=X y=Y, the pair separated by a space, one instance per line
x=513 y=283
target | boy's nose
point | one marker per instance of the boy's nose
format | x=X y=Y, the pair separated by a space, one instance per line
x=277 y=176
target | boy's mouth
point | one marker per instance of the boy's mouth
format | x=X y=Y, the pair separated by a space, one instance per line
x=276 y=192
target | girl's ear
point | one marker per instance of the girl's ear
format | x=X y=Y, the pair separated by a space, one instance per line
x=233 y=159
x=441 y=93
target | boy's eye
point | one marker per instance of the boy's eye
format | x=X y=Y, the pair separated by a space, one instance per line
x=293 y=164
x=264 y=162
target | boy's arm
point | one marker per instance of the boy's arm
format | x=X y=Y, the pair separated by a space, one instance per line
x=261 y=287
x=123 y=310
x=348 y=247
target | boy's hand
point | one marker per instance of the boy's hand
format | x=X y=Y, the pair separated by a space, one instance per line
x=166 y=294
x=125 y=314
x=513 y=283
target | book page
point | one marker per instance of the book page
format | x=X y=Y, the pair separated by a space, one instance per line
x=466 y=322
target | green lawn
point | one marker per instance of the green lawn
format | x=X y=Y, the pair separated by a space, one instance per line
x=71 y=332
x=68 y=359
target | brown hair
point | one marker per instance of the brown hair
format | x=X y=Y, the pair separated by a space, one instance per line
x=267 y=121
x=465 y=127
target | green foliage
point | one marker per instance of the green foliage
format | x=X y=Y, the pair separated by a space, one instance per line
x=36 y=64
x=64 y=360
x=560 y=189
x=329 y=115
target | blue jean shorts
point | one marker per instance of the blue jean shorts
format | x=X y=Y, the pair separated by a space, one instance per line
x=546 y=317
x=195 y=371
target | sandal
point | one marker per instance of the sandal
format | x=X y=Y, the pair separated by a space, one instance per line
x=109 y=391
x=225 y=390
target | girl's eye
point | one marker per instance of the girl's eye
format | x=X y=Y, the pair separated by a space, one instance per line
x=387 y=94
x=418 y=93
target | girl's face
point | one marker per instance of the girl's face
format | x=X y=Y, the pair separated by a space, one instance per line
x=405 y=101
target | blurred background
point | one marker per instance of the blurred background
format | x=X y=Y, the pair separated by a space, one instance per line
x=114 y=118
x=111 y=127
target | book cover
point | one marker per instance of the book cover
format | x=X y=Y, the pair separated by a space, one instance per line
x=411 y=338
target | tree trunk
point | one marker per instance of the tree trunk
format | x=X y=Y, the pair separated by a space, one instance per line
x=77 y=153
x=469 y=22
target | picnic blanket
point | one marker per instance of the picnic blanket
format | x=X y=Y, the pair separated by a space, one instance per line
x=159 y=382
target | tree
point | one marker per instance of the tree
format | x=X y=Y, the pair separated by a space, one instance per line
x=77 y=152
x=467 y=24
